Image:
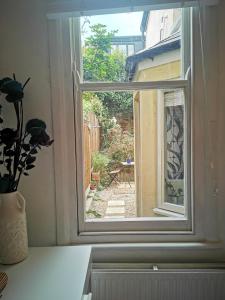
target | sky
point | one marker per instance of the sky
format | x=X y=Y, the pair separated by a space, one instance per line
x=125 y=23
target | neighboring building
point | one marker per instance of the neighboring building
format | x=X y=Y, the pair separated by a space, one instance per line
x=128 y=44
x=158 y=25
x=155 y=162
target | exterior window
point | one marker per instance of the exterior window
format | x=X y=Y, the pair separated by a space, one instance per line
x=174 y=125
x=134 y=107
x=171 y=141
x=130 y=49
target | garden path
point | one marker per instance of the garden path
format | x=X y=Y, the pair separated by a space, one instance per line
x=115 y=202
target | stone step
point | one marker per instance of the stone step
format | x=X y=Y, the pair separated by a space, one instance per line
x=113 y=203
x=114 y=217
x=115 y=211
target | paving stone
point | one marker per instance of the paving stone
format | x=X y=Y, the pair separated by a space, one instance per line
x=115 y=210
x=88 y=203
x=114 y=217
x=116 y=203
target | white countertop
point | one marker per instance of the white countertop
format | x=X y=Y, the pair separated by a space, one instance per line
x=49 y=273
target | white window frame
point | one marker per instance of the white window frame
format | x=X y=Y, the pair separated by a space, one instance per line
x=182 y=223
x=67 y=158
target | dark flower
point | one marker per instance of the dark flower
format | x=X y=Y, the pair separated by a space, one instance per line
x=8 y=136
x=43 y=139
x=35 y=126
x=3 y=81
x=12 y=88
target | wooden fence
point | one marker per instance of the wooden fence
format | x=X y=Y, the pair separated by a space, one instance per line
x=91 y=133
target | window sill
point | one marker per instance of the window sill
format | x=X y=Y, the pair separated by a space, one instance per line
x=166 y=213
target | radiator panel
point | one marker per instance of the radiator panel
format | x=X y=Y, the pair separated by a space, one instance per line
x=158 y=285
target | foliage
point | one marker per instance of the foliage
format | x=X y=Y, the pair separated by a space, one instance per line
x=99 y=162
x=121 y=145
x=101 y=63
x=19 y=145
x=98 y=61
x=94 y=213
x=91 y=103
x=117 y=103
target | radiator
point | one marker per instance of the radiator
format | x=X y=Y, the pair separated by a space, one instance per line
x=158 y=284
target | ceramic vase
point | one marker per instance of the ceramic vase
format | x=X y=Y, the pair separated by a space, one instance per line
x=13 y=228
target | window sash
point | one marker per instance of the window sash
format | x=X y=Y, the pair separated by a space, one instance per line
x=162 y=204
x=131 y=225
x=133 y=86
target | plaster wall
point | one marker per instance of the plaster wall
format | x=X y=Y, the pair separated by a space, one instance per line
x=24 y=51
x=146 y=152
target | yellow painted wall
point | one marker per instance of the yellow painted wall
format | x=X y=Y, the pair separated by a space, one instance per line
x=145 y=112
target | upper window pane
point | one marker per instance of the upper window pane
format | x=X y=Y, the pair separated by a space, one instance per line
x=135 y=46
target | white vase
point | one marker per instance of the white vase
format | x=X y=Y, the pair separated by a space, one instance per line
x=13 y=228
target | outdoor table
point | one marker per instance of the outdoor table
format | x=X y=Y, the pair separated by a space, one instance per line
x=128 y=166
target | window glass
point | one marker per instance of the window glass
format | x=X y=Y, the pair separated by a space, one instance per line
x=134 y=120
x=174 y=135
x=130 y=50
x=133 y=149
x=120 y=47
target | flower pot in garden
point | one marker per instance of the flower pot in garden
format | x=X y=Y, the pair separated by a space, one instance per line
x=95 y=176
x=13 y=228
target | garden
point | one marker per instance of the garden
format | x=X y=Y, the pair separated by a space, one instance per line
x=110 y=162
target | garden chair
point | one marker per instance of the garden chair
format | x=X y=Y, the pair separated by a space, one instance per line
x=113 y=171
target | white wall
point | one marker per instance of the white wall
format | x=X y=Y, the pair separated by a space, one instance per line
x=155 y=24
x=24 y=50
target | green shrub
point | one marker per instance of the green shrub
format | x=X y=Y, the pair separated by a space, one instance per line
x=121 y=146
x=99 y=162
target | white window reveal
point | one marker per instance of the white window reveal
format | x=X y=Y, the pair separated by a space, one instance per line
x=118 y=112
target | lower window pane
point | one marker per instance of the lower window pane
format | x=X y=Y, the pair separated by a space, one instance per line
x=133 y=149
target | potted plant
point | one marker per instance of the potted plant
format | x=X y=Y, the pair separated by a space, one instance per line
x=175 y=191
x=18 y=149
x=99 y=163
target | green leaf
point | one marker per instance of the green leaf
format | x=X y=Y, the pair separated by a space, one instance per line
x=9 y=152
x=26 y=147
x=33 y=151
x=29 y=167
x=30 y=160
x=8 y=160
x=22 y=164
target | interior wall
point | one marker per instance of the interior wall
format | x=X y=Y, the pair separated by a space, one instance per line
x=24 y=50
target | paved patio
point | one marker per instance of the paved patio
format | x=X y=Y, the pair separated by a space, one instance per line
x=118 y=201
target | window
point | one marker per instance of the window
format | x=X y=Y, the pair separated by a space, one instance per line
x=199 y=186
x=171 y=141
x=122 y=100
x=130 y=50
